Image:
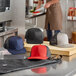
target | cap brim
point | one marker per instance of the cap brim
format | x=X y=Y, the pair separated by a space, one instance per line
x=34 y=42
x=42 y=58
x=14 y=52
x=66 y=46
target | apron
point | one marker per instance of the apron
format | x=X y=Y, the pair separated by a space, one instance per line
x=54 y=17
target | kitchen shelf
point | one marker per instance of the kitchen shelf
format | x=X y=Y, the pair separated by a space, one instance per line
x=71 y=10
x=71 y=18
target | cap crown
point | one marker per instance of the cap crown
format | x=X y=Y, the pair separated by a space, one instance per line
x=40 y=52
x=34 y=35
x=15 y=43
x=62 y=39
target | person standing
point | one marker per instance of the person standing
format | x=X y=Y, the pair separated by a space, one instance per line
x=53 y=17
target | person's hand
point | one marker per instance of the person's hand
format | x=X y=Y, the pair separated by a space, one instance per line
x=47 y=5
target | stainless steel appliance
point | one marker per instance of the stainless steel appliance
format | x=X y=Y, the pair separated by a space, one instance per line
x=4 y=5
x=2 y=26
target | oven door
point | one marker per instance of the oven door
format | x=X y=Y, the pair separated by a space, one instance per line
x=2 y=25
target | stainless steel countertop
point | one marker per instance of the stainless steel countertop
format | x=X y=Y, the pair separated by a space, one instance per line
x=63 y=69
x=9 y=30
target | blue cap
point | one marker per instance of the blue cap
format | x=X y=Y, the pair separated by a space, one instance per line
x=16 y=45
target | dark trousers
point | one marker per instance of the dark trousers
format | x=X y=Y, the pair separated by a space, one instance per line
x=49 y=32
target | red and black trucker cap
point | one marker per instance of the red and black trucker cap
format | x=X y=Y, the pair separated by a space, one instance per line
x=40 y=52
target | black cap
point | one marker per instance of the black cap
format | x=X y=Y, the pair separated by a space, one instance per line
x=34 y=36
